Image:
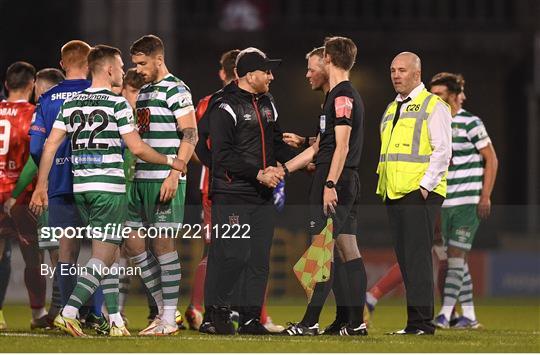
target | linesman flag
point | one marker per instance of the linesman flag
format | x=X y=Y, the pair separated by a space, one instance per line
x=314 y=265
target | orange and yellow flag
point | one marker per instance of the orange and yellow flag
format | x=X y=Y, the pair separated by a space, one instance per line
x=314 y=265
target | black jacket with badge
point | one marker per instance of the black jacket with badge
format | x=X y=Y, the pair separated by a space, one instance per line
x=245 y=138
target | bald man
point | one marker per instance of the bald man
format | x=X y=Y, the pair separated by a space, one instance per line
x=416 y=146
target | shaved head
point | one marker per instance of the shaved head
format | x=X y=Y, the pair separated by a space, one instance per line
x=412 y=58
x=405 y=72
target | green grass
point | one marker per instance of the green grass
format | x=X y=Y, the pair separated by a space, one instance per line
x=510 y=325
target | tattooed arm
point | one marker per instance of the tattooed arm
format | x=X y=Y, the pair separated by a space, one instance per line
x=187 y=125
x=189 y=135
x=188 y=128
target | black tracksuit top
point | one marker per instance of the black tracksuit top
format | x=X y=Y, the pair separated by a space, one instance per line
x=245 y=137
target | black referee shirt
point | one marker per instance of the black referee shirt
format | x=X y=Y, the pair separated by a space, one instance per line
x=343 y=106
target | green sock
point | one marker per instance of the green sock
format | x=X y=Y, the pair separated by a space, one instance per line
x=170 y=284
x=150 y=275
x=452 y=285
x=110 y=285
x=466 y=294
x=86 y=285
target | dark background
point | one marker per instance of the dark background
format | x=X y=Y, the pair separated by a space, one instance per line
x=491 y=42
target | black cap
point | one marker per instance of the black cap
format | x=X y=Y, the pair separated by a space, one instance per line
x=252 y=61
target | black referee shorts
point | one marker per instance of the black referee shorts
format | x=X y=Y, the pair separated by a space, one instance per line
x=348 y=191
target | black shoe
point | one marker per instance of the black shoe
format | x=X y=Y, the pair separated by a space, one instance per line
x=298 y=329
x=223 y=322
x=411 y=331
x=207 y=328
x=42 y=323
x=253 y=327
x=98 y=323
x=334 y=328
x=347 y=330
x=454 y=319
x=207 y=324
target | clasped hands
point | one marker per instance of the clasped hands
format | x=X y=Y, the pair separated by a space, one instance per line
x=271 y=176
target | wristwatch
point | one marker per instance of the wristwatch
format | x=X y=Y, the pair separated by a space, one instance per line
x=285 y=170
x=330 y=184
x=306 y=145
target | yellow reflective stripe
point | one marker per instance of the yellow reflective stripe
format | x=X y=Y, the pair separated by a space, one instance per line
x=421 y=115
x=407 y=158
x=386 y=118
x=418 y=126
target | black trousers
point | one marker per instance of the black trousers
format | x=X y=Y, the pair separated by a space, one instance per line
x=232 y=258
x=412 y=222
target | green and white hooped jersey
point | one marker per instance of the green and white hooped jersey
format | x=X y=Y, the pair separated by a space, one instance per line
x=466 y=171
x=94 y=121
x=158 y=106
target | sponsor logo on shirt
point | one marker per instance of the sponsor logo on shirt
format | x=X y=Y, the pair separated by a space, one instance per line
x=62 y=161
x=87 y=159
x=38 y=129
x=63 y=95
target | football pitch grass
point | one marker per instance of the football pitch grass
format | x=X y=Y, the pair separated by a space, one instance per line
x=510 y=325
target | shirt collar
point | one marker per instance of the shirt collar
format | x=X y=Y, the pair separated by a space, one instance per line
x=412 y=94
x=96 y=89
x=15 y=102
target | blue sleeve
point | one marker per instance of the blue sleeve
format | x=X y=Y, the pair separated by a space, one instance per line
x=36 y=147
x=38 y=133
x=38 y=127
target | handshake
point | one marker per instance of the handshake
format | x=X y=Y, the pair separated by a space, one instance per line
x=271 y=176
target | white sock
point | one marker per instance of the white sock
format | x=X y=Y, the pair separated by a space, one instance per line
x=169 y=315
x=454 y=277
x=38 y=312
x=117 y=319
x=170 y=275
x=371 y=299
x=468 y=311
x=466 y=295
x=70 y=312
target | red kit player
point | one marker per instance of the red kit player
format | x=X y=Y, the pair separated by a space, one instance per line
x=15 y=119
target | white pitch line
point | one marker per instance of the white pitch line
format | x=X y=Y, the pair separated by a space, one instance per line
x=23 y=335
x=203 y=337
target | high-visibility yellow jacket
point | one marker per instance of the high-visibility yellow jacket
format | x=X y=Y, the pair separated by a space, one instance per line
x=405 y=148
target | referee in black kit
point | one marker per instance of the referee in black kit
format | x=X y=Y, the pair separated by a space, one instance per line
x=336 y=189
x=246 y=142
